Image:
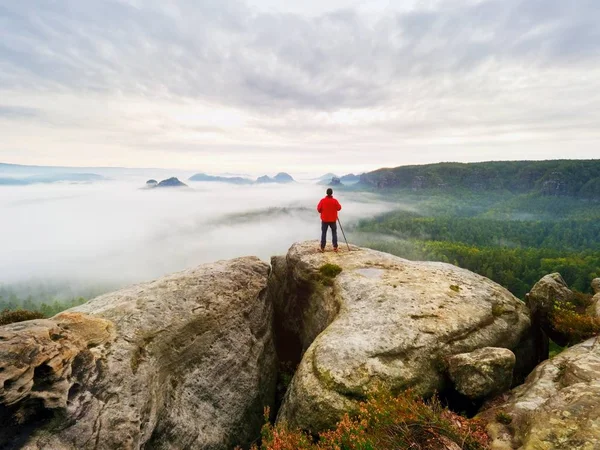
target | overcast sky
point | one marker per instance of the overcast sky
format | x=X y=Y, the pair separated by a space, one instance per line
x=312 y=85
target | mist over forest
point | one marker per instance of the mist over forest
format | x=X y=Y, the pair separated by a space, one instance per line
x=75 y=233
x=81 y=239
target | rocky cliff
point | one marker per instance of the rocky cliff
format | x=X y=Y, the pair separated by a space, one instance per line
x=187 y=361
x=382 y=320
x=558 y=406
x=190 y=360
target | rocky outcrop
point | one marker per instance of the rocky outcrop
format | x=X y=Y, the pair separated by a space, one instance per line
x=555 y=185
x=281 y=177
x=594 y=309
x=171 y=182
x=42 y=360
x=556 y=408
x=187 y=361
x=551 y=290
x=596 y=285
x=210 y=178
x=482 y=373
x=382 y=320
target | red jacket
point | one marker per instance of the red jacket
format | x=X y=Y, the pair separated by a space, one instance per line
x=329 y=207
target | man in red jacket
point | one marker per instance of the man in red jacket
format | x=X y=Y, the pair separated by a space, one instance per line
x=328 y=207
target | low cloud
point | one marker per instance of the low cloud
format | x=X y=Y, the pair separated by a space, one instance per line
x=112 y=233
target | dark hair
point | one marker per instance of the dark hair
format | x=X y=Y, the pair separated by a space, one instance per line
x=329 y=192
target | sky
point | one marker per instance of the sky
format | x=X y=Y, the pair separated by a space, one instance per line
x=306 y=86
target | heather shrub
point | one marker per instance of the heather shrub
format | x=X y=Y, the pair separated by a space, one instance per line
x=386 y=422
x=574 y=325
x=571 y=319
x=18 y=315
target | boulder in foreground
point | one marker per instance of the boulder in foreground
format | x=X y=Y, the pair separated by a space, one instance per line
x=558 y=406
x=365 y=318
x=482 y=373
x=187 y=361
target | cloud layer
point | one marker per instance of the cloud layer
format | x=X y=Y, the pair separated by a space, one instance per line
x=112 y=233
x=182 y=82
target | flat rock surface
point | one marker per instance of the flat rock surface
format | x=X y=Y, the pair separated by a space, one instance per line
x=383 y=319
x=186 y=361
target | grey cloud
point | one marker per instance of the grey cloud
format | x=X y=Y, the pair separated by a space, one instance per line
x=223 y=51
x=18 y=112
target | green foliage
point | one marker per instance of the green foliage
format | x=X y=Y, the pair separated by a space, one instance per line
x=386 y=422
x=579 y=178
x=330 y=270
x=480 y=233
x=503 y=418
x=19 y=315
x=555 y=349
x=45 y=309
x=572 y=234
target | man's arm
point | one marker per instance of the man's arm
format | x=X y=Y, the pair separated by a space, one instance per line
x=339 y=207
x=320 y=206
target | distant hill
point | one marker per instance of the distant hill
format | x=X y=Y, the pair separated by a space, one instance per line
x=350 y=178
x=170 y=182
x=575 y=178
x=12 y=182
x=22 y=171
x=211 y=178
x=334 y=180
x=281 y=177
x=265 y=179
x=327 y=177
x=72 y=177
x=52 y=178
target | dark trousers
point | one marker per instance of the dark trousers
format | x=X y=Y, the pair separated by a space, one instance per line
x=324 y=226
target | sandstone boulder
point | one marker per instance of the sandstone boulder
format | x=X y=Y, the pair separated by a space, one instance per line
x=558 y=407
x=596 y=285
x=381 y=320
x=482 y=373
x=41 y=360
x=594 y=309
x=547 y=292
x=186 y=361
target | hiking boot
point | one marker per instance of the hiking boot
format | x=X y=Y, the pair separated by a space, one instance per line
x=335 y=249
x=321 y=249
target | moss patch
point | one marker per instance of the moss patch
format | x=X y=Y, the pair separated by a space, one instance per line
x=503 y=418
x=497 y=310
x=330 y=270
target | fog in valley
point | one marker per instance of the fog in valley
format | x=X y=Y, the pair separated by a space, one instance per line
x=86 y=238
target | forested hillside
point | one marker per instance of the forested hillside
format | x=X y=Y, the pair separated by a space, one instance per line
x=575 y=178
x=512 y=239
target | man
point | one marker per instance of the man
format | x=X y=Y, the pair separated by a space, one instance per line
x=328 y=207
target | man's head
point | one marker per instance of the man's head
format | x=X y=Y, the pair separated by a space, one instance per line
x=329 y=192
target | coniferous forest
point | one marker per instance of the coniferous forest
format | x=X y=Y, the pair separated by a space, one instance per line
x=513 y=239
